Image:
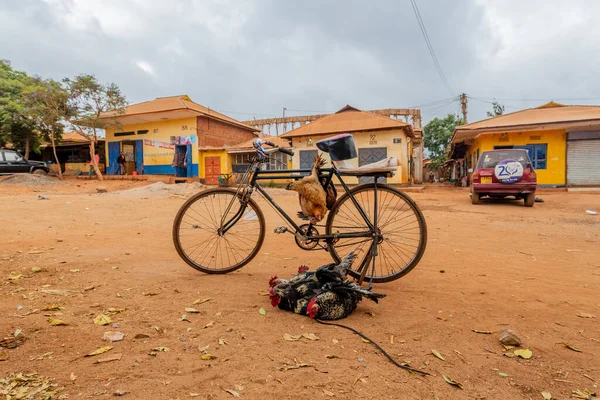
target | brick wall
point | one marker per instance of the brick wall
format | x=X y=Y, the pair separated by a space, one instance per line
x=215 y=133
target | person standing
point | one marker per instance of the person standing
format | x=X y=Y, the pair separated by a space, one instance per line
x=121 y=163
x=97 y=161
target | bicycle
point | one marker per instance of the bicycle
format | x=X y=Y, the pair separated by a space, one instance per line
x=220 y=230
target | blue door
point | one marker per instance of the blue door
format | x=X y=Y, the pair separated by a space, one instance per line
x=114 y=148
x=139 y=156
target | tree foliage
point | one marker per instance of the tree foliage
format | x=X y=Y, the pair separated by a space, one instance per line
x=16 y=125
x=436 y=138
x=33 y=110
x=47 y=105
x=89 y=101
x=498 y=109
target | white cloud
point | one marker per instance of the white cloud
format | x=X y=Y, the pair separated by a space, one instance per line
x=146 y=67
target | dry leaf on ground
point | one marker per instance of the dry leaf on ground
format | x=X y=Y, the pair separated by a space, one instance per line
x=99 y=350
x=102 y=320
x=568 y=346
x=451 y=382
x=437 y=354
x=523 y=353
x=57 y=322
x=310 y=336
x=232 y=392
x=585 y=315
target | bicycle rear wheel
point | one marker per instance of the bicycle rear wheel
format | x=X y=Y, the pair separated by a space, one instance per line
x=402 y=231
x=198 y=237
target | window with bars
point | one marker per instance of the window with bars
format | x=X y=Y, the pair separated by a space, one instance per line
x=276 y=160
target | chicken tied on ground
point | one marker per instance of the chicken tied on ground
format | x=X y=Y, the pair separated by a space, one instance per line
x=322 y=294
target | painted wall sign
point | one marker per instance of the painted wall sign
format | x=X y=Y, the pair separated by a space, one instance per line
x=160 y=144
x=183 y=140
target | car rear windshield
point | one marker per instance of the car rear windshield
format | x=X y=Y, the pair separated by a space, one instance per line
x=489 y=159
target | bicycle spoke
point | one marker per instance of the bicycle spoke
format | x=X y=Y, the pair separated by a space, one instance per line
x=198 y=237
x=399 y=224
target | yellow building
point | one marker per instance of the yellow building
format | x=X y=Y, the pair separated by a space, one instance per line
x=173 y=136
x=563 y=142
x=376 y=137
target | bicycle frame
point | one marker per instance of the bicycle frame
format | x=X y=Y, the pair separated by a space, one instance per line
x=327 y=173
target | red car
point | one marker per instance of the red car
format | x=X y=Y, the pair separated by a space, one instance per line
x=502 y=173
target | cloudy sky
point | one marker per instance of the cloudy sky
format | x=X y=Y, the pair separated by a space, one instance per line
x=252 y=58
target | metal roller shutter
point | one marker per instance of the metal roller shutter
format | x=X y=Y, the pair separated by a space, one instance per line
x=307 y=158
x=583 y=162
x=370 y=155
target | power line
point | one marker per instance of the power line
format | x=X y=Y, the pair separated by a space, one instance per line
x=452 y=101
x=489 y=102
x=430 y=47
x=433 y=103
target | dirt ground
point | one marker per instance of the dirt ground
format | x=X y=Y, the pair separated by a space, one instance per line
x=486 y=267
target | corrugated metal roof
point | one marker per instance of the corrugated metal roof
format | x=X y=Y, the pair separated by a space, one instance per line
x=174 y=103
x=548 y=116
x=349 y=119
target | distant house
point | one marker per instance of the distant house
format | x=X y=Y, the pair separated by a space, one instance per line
x=563 y=142
x=153 y=132
x=376 y=137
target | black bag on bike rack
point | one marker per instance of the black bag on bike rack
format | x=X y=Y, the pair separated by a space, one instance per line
x=340 y=147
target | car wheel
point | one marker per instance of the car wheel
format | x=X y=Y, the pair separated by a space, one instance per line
x=529 y=199
x=39 y=172
x=475 y=198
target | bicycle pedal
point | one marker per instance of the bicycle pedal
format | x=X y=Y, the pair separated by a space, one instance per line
x=280 y=229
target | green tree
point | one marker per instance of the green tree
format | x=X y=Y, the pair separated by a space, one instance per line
x=436 y=138
x=498 y=109
x=16 y=126
x=47 y=105
x=89 y=101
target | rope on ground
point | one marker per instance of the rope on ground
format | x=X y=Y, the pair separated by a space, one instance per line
x=396 y=363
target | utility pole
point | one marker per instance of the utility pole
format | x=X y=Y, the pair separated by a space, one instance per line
x=463 y=106
x=284 y=124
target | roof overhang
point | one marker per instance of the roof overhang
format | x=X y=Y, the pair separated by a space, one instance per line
x=131 y=119
x=461 y=135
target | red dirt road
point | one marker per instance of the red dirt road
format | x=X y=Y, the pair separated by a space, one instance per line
x=506 y=266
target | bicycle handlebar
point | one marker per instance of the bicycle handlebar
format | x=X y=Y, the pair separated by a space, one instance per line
x=259 y=142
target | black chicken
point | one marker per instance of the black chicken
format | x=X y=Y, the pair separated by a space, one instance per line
x=325 y=291
x=338 y=300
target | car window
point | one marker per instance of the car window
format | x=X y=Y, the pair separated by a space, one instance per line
x=10 y=156
x=489 y=159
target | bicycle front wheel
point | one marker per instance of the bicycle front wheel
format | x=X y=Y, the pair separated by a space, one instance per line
x=199 y=237
x=401 y=231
